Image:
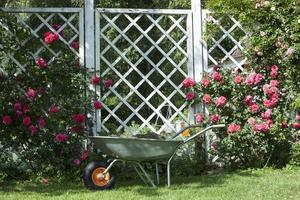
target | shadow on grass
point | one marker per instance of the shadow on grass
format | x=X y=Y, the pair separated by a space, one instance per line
x=178 y=183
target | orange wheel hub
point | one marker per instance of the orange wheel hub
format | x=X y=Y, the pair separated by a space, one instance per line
x=99 y=178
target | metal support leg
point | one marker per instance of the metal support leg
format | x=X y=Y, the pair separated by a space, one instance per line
x=140 y=175
x=169 y=170
x=157 y=173
x=146 y=175
x=110 y=165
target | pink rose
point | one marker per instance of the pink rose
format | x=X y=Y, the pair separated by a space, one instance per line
x=215 y=118
x=248 y=100
x=233 y=128
x=274 y=83
x=75 y=45
x=41 y=63
x=206 y=99
x=270 y=103
x=290 y=51
x=45 y=181
x=221 y=101
x=50 y=37
x=97 y=105
x=258 y=78
x=18 y=106
x=42 y=122
x=54 y=109
x=19 y=113
x=200 y=118
x=85 y=154
x=77 y=129
x=296 y=125
x=267 y=114
x=254 y=108
x=254 y=79
x=216 y=68
x=298 y=117
x=108 y=83
x=217 y=76
x=274 y=71
x=190 y=96
x=6 y=120
x=188 y=82
x=214 y=146
x=262 y=128
x=79 y=118
x=31 y=93
x=95 y=80
x=26 y=121
x=238 y=79
x=77 y=162
x=251 y=121
x=61 y=137
x=33 y=129
x=205 y=82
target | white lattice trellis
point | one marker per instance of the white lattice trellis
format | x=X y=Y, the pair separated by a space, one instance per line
x=108 y=20
x=71 y=20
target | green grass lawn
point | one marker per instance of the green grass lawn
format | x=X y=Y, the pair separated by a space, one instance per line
x=249 y=184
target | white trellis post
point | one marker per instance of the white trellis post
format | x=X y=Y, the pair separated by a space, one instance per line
x=89 y=21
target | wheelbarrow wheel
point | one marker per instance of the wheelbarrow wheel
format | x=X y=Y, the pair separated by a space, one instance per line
x=94 y=178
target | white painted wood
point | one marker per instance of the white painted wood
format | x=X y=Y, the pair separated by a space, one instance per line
x=89 y=34
x=143 y=11
x=41 y=10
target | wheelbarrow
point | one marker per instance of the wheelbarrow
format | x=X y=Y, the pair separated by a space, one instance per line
x=99 y=175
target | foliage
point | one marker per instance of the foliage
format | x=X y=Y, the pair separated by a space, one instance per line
x=295 y=154
x=43 y=105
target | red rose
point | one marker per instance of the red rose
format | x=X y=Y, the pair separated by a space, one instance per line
x=85 y=154
x=188 y=82
x=254 y=108
x=31 y=93
x=238 y=79
x=54 y=109
x=18 y=106
x=190 y=96
x=61 y=137
x=6 y=120
x=97 y=105
x=233 y=128
x=217 y=76
x=33 y=129
x=41 y=63
x=108 y=83
x=26 y=121
x=75 y=45
x=296 y=125
x=95 y=80
x=205 y=82
x=50 y=37
x=79 y=118
x=215 y=118
x=42 y=122
x=248 y=100
x=221 y=101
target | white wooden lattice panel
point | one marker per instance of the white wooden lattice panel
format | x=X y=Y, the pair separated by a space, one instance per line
x=40 y=20
x=146 y=53
x=226 y=46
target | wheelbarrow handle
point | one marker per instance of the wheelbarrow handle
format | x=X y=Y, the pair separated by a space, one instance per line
x=199 y=133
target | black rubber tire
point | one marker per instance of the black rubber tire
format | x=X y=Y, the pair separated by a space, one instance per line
x=87 y=176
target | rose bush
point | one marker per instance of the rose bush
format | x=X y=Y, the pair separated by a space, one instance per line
x=43 y=107
x=254 y=105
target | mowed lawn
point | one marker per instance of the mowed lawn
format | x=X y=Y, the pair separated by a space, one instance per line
x=262 y=184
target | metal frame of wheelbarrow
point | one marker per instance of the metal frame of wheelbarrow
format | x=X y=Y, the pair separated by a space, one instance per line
x=143 y=171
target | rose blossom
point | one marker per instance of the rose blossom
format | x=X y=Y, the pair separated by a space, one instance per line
x=79 y=118
x=41 y=63
x=205 y=82
x=238 y=79
x=190 y=96
x=221 y=101
x=206 y=99
x=233 y=128
x=97 y=105
x=45 y=181
x=18 y=106
x=108 y=83
x=6 y=120
x=75 y=45
x=267 y=114
x=290 y=51
x=77 y=129
x=274 y=71
x=254 y=108
x=54 y=109
x=50 y=37
x=274 y=83
x=254 y=79
x=263 y=127
x=298 y=117
x=248 y=100
x=42 y=122
x=284 y=124
x=25 y=109
x=56 y=27
x=31 y=93
x=61 y=137
x=77 y=162
x=85 y=154
x=33 y=129
x=296 y=125
x=26 y=121
x=200 y=118
x=188 y=82
x=95 y=80
x=270 y=103
x=217 y=76
x=215 y=118
x=251 y=121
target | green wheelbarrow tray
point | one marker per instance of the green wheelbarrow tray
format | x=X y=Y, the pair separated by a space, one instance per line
x=137 y=150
